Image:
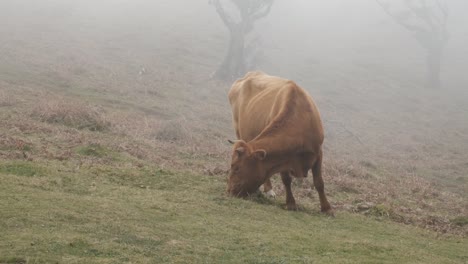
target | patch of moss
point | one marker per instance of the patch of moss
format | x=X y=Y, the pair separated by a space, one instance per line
x=13 y=260
x=460 y=221
x=380 y=210
x=21 y=169
x=94 y=150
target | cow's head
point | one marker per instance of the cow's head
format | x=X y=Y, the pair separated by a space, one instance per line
x=247 y=169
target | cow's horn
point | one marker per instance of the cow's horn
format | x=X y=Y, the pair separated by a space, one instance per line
x=233 y=141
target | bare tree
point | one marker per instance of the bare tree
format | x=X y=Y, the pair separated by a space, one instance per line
x=427 y=22
x=235 y=60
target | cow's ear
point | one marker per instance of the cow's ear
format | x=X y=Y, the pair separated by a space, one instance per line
x=260 y=154
x=240 y=150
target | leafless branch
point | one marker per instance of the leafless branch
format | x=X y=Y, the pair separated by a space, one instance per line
x=423 y=12
x=228 y=21
x=443 y=7
x=435 y=24
x=263 y=10
x=399 y=21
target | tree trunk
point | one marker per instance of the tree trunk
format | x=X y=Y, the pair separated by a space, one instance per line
x=233 y=65
x=434 y=62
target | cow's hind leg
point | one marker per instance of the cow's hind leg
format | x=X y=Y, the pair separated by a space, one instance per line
x=319 y=185
x=268 y=189
x=290 y=202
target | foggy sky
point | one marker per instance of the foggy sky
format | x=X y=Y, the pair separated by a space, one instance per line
x=296 y=35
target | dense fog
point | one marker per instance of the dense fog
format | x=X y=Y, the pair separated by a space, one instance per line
x=333 y=35
x=367 y=71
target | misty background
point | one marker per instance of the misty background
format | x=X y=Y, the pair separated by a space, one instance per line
x=366 y=72
x=297 y=39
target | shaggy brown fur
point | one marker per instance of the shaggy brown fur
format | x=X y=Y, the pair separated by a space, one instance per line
x=279 y=130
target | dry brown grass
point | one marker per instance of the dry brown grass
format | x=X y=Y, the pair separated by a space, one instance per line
x=407 y=198
x=174 y=130
x=132 y=124
x=72 y=113
x=6 y=98
x=15 y=147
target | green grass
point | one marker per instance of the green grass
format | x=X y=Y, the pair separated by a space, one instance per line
x=461 y=221
x=94 y=150
x=119 y=214
x=21 y=168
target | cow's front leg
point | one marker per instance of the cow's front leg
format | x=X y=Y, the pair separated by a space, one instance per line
x=290 y=201
x=268 y=189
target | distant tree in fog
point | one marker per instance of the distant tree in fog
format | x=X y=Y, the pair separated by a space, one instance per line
x=427 y=22
x=236 y=60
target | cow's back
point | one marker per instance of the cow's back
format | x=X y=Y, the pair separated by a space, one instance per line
x=252 y=100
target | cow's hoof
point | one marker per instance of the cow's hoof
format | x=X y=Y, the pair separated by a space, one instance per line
x=270 y=194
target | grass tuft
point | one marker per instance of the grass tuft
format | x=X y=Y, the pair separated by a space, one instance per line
x=380 y=210
x=13 y=260
x=71 y=113
x=11 y=143
x=6 y=99
x=21 y=169
x=460 y=221
x=174 y=130
x=94 y=150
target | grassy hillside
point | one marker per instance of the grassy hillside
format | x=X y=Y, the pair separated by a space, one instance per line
x=117 y=212
x=86 y=179
x=101 y=162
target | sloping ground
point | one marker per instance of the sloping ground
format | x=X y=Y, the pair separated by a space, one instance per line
x=365 y=170
x=99 y=163
x=115 y=212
